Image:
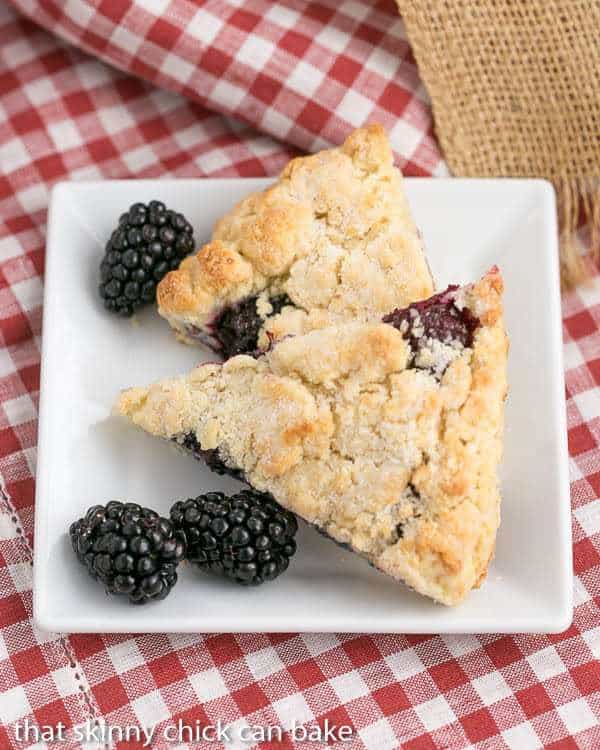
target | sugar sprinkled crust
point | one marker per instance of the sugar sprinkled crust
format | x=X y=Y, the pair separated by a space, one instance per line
x=396 y=458
x=334 y=233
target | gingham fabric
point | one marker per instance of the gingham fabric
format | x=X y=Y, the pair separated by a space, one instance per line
x=64 y=114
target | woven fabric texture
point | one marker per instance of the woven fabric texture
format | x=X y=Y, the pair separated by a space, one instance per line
x=65 y=115
x=515 y=88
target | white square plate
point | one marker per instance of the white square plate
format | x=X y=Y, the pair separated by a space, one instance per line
x=87 y=457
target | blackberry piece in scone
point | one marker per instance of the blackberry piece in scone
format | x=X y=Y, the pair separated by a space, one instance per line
x=386 y=436
x=332 y=240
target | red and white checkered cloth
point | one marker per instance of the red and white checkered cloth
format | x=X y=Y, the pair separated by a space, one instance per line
x=304 y=73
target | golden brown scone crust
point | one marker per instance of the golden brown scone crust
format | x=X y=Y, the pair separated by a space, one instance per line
x=397 y=463
x=334 y=233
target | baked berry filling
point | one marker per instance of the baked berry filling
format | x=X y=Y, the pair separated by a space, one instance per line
x=236 y=329
x=435 y=318
x=210 y=457
x=436 y=329
x=414 y=497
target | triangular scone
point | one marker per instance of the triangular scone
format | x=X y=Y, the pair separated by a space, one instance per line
x=332 y=240
x=386 y=436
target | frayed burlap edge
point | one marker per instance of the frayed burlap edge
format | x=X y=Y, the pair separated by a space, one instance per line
x=578 y=203
x=515 y=91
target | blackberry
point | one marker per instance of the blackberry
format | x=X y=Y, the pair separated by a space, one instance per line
x=237 y=327
x=438 y=318
x=210 y=457
x=150 y=241
x=130 y=549
x=247 y=537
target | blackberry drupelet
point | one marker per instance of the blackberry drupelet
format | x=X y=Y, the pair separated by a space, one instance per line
x=150 y=241
x=248 y=537
x=130 y=549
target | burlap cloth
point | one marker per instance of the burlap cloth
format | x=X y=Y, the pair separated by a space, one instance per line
x=515 y=86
